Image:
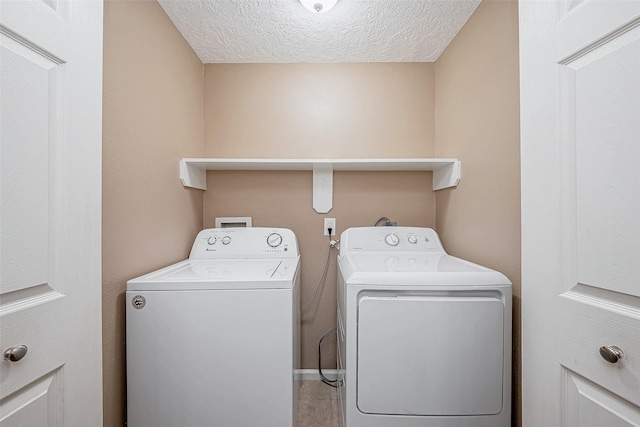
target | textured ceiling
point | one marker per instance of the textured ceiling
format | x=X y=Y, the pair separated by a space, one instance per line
x=283 y=31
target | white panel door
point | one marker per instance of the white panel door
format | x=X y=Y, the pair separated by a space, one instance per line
x=50 y=207
x=580 y=109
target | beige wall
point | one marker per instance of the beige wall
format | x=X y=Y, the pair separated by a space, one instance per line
x=477 y=121
x=152 y=117
x=319 y=111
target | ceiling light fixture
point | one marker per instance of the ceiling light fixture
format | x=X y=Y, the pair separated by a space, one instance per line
x=318 y=6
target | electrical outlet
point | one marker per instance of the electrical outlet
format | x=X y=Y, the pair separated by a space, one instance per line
x=329 y=223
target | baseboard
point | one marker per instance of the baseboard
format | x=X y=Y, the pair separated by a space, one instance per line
x=314 y=374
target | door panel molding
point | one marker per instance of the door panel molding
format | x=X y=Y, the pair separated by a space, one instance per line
x=591 y=405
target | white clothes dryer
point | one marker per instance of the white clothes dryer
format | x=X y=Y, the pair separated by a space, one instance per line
x=214 y=340
x=424 y=338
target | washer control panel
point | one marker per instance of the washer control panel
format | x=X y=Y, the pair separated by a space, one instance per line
x=250 y=242
x=392 y=239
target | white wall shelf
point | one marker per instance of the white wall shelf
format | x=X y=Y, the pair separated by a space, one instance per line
x=446 y=172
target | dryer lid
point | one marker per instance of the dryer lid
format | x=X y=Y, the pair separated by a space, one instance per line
x=388 y=269
x=412 y=263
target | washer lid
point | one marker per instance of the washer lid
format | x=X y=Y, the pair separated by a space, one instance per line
x=220 y=274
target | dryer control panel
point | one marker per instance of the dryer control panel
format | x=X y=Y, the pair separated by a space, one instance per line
x=389 y=239
x=250 y=242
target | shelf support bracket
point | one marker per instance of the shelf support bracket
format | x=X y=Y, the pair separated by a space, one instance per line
x=322 y=187
x=192 y=175
x=446 y=176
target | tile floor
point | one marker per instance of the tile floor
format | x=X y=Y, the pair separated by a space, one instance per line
x=318 y=405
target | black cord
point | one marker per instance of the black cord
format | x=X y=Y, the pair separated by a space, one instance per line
x=386 y=220
x=325 y=380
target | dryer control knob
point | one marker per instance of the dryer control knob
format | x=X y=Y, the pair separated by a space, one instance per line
x=212 y=240
x=391 y=239
x=274 y=240
x=226 y=240
x=413 y=239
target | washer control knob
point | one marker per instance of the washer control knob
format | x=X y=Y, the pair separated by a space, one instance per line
x=226 y=240
x=391 y=239
x=413 y=239
x=274 y=240
x=212 y=240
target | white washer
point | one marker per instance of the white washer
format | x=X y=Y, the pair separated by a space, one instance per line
x=214 y=340
x=424 y=338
